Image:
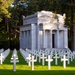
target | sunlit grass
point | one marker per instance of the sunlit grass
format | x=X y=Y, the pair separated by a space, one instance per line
x=23 y=69
x=38 y=67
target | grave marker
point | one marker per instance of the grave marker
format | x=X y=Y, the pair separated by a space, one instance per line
x=1 y=58
x=68 y=56
x=43 y=59
x=14 y=60
x=56 y=58
x=64 y=61
x=71 y=56
x=32 y=61
x=29 y=58
x=49 y=61
x=1 y=50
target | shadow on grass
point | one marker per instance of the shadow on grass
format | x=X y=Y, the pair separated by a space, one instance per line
x=29 y=72
x=72 y=63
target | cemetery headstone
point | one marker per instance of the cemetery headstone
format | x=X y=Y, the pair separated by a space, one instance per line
x=56 y=58
x=14 y=60
x=43 y=59
x=32 y=62
x=29 y=58
x=1 y=58
x=49 y=61
x=64 y=61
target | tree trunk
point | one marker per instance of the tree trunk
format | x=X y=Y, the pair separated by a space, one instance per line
x=6 y=23
x=72 y=26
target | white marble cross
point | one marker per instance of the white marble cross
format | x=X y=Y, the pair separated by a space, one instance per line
x=71 y=56
x=39 y=53
x=49 y=61
x=1 y=58
x=64 y=61
x=14 y=60
x=1 y=50
x=29 y=58
x=32 y=61
x=43 y=59
x=56 y=58
x=68 y=56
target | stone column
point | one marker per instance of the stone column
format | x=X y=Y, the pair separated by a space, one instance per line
x=33 y=37
x=24 y=39
x=57 y=38
x=20 y=39
x=50 y=38
x=43 y=39
x=66 y=38
x=37 y=31
x=27 y=39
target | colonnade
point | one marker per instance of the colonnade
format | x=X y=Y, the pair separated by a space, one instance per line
x=31 y=38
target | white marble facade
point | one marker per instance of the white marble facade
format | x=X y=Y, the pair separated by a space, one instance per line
x=43 y=30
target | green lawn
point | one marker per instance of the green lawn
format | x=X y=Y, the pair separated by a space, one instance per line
x=23 y=69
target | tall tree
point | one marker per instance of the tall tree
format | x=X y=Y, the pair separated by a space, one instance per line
x=69 y=6
x=4 y=13
x=17 y=11
x=4 y=4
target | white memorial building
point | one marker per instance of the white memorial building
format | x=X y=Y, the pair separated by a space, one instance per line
x=43 y=30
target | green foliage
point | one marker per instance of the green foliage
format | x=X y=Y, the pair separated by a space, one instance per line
x=16 y=43
x=4 y=5
x=4 y=44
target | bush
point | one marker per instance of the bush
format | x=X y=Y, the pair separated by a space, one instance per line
x=14 y=43
x=4 y=44
x=69 y=42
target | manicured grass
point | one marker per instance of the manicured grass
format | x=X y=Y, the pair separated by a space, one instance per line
x=23 y=69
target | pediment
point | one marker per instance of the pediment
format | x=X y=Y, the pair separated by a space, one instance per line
x=48 y=17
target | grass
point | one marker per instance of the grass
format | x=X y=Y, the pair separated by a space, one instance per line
x=23 y=69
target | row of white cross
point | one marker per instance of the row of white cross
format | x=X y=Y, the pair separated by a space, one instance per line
x=49 y=55
x=28 y=57
x=3 y=55
x=14 y=58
